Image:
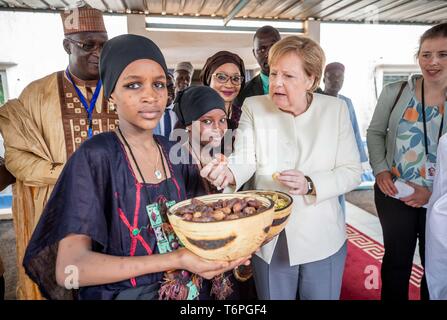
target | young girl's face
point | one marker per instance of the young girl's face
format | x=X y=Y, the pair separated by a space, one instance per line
x=140 y=94
x=212 y=126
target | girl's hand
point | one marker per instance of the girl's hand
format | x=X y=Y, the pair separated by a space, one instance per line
x=207 y=269
x=218 y=173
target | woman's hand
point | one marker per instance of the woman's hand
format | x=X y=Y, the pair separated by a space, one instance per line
x=218 y=173
x=295 y=180
x=207 y=269
x=419 y=198
x=385 y=182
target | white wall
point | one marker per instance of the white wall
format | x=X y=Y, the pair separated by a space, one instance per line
x=361 y=47
x=32 y=43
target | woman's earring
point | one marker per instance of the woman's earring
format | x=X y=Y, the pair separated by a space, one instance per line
x=112 y=106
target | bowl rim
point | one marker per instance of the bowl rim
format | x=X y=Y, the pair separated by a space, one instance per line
x=286 y=195
x=271 y=205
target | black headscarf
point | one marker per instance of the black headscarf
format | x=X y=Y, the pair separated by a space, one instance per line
x=121 y=51
x=195 y=101
x=218 y=59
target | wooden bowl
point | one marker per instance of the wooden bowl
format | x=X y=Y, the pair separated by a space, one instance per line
x=227 y=239
x=281 y=216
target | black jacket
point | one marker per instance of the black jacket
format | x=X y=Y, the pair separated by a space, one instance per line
x=252 y=88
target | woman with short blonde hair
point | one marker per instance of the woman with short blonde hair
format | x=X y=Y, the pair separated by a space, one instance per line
x=308 y=50
x=302 y=143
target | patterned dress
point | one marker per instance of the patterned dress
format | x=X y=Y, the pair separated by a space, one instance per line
x=98 y=195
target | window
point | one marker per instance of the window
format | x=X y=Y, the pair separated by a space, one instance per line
x=388 y=73
x=394 y=77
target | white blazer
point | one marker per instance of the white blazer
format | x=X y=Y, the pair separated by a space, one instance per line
x=321 y=144
x=436 y=229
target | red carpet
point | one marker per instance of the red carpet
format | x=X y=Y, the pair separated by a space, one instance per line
x=361 y=279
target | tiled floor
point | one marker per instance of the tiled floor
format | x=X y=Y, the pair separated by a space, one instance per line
x=369 y=225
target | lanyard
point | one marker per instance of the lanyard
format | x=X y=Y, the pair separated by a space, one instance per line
x=138 y=167
x=425 y=123
x=88 y=108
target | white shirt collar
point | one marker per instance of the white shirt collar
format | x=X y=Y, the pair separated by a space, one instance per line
x=170 y=107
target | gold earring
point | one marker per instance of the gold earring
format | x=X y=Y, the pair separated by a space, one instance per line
x=112 y=106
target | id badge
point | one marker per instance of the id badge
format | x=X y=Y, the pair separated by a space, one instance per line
x=430 y=170
x=193 y=291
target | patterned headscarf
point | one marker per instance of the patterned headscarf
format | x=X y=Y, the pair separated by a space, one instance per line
x=83 y=19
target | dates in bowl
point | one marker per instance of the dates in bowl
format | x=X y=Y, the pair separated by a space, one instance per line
x=222 y=226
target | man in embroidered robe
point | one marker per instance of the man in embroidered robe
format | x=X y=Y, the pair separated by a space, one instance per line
x=48 y=122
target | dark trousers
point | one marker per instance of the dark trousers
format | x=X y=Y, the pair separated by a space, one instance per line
x=402 y=226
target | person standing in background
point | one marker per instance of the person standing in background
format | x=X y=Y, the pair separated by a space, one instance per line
x=334 y=75
x=183 y=73
x=402 y=141
x=169 y=118
x=49 y=121
x=225 y=72
x=264 y=38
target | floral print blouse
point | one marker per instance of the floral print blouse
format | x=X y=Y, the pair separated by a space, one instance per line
x=409 y=159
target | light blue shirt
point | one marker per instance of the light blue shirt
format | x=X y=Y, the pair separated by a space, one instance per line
x=358 y=140
x=355 y=126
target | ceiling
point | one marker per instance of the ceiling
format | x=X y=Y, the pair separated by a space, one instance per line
x=381 y=11
x=179 y=45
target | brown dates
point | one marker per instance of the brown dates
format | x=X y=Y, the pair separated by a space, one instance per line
x=231 y=209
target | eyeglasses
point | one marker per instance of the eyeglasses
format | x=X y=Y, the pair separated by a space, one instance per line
x=223 y=78
x=88 y=47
